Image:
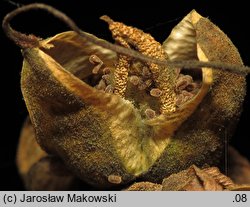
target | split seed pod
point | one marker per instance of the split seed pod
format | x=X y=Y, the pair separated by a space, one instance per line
x=96 y=123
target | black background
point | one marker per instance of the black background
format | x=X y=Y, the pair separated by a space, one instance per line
x=152 y=17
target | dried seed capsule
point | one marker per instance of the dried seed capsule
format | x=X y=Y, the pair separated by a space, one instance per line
x=123 y=142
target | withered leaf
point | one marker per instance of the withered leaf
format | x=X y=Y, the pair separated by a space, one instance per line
x=50 y=173
x=38 y=170
x=239 y=167
x=196 y=179
x=207 y=181
x=192 y=179
x=28 y=152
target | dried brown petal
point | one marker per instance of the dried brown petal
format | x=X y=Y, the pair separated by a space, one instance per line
x=49 y=173
x=28 y=152
x=77 y=51
x=239 y=167
x=38 y=170
x=225 y=181
x=196 y=179
x=209 y=183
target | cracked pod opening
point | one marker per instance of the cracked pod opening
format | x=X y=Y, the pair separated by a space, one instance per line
x=98 y=68
x=109 y=115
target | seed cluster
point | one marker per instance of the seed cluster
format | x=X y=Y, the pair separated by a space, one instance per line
x=163 y=77
x=168 y=85
x=186 y=88
x=105 y=82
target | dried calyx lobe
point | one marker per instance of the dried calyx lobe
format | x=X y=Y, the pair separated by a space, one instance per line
x=139 y=80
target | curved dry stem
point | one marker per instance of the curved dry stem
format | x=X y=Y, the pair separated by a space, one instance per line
x=27 y=41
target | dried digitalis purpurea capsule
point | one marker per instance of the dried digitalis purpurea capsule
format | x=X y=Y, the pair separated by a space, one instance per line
x=112 y=114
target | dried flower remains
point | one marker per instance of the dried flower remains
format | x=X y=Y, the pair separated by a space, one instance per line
x=136 y=109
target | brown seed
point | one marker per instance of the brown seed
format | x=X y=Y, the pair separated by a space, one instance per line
x=146 y=72
x=180 y=99
x=187 y=94
x=96 y=69
x=107 y=79
x=183 y=97
x=106 y=70
x=134 y=80
x=148 y=82
x=109 y=89
x=177 y=71
x=150 y=114
x=183 y=81
x=95 y=60
x=101 y=85
x=155 y=92
x=192 y=87
x=142 y=86
x=115 y=179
